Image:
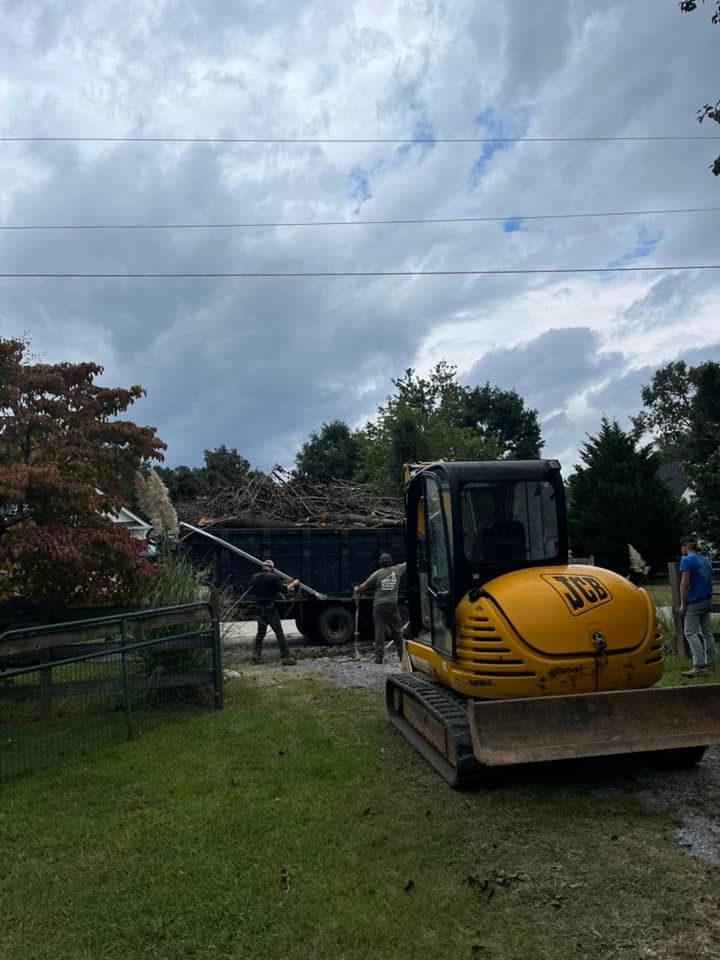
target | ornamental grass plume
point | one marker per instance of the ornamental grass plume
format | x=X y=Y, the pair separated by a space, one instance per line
x=637 y=564
x=156 y=504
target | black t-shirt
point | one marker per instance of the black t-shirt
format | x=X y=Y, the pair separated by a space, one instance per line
x=266 y=586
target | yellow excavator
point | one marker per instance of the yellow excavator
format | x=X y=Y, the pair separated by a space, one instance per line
x=513 y=655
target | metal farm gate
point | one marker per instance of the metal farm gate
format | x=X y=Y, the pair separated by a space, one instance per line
x=70 y=687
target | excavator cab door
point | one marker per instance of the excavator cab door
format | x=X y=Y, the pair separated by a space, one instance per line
x=439 y=565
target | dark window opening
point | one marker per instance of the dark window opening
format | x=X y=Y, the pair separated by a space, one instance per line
x=510 y=521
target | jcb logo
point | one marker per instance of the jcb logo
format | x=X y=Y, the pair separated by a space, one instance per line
x=580 y=593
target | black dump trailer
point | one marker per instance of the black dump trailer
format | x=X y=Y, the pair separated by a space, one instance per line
x=329 y=560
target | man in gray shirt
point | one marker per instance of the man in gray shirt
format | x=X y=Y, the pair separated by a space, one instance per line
x=385 y=584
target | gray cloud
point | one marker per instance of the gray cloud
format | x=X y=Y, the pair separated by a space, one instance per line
x=550 y=368
x=258 y=363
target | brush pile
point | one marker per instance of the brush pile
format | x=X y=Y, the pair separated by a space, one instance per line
x=281 y=499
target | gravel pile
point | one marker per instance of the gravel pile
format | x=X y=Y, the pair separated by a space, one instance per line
x=695 y=795
x=347 y=672
x=701 y=838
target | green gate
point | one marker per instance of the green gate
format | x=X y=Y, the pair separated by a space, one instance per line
x=68 y=688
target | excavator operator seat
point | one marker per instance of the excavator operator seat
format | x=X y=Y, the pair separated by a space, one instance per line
x=505 y=541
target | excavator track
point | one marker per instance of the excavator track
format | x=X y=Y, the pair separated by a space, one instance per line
x=434 y=720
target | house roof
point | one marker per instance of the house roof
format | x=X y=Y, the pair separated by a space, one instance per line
x=129 y=519
x=126 y=517
x=673 y=474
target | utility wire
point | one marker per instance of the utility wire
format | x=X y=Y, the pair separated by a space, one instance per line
x=328 y=140
x=343 y=273
x=347 y=223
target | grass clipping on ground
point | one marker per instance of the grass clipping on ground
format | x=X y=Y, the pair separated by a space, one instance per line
x=297 y=824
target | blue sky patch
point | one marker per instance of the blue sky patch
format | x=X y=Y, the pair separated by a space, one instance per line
x=360 y=190
x=645 y=243
x=512 y=225
x=489 y=123
x=422 y=130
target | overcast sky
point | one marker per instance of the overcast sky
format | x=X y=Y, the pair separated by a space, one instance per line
x=258 y=363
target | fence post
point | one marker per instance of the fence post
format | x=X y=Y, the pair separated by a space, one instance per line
x=126 y=679
x=674 y=574
x=216 y=658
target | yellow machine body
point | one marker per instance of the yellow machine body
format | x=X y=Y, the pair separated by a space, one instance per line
x=513 y=655
x=549 y=631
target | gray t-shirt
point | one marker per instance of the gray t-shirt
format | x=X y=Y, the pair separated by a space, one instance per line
x=385 y=583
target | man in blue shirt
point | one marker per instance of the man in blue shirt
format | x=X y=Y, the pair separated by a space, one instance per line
x=695 y=604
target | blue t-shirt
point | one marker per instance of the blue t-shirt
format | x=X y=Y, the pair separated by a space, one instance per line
x=700 y=571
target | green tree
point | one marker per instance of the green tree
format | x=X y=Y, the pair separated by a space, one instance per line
x=183 y=483
x=330 y=454
x=223 y=468
x=65 y=457
x=616 y=498
x=682 y=412
x=501 y=416
x=710 y=111
x=420 y=421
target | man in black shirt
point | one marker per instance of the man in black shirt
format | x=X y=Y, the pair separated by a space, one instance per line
x=266 y=586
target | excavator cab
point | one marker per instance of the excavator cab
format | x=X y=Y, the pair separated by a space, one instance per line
x=514 y=655
x=468 y=523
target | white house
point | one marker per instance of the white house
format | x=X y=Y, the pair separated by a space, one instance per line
x=137 y=528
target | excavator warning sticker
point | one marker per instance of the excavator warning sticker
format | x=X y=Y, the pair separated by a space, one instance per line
x=580 y=593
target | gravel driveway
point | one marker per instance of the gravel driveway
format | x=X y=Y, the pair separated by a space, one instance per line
x=337 y=663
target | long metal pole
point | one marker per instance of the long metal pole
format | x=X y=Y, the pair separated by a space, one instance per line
x=250 y=557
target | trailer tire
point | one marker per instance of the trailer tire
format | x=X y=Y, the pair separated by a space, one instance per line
x=335 y=625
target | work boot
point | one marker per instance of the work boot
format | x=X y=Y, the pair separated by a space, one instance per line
x=256 y=657
x=380 y=659
x=288 y=662
x=695 y=672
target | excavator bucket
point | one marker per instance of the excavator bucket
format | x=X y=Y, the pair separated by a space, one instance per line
x=594 y=724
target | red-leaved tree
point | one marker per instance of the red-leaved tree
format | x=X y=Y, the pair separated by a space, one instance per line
x=64 y=458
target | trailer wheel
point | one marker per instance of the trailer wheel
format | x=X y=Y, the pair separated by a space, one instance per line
x=335 y=625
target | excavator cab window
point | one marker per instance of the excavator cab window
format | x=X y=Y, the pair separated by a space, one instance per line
x=510 y=521
x=439 y=572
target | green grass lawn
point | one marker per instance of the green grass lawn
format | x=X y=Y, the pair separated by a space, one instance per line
x=674 y=667
x=297 y=824
x=660 y=594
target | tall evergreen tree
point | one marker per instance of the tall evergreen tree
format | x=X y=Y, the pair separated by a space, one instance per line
x=616 y=498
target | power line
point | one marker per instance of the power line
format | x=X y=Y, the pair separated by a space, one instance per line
x=367 y=140
x=349 y=223
x=343 y=273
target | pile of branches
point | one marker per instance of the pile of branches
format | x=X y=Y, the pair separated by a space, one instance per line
x=281 y=499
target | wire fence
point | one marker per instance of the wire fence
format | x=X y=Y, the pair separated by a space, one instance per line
x=71 y=688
